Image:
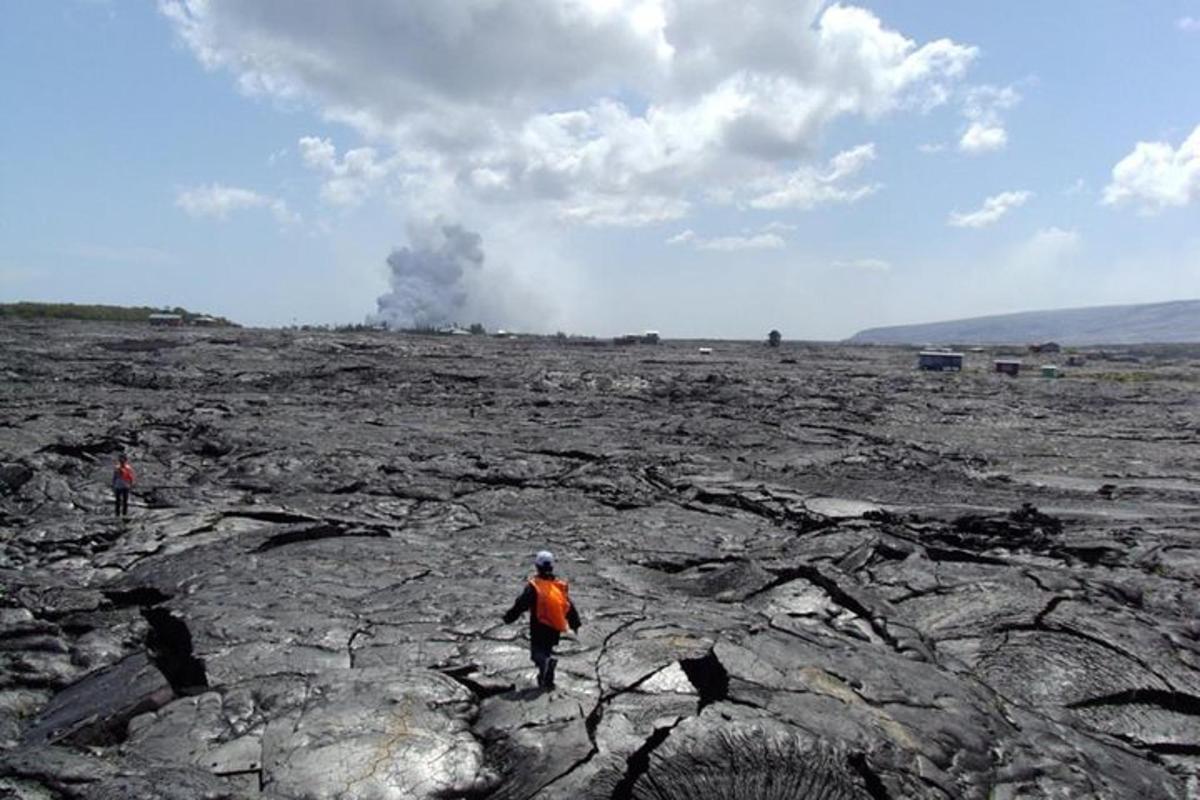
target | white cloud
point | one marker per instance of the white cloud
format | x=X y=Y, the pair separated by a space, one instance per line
x=981 y=138
x=864 y=264
x=767 y=239
x=1049 y=246
x=1188 y=24
x=621 y=112
x=985 y=131
x=352 y=178
x=1043 y=264
x=806 y=187
x=600 y=209
x=1156 y=175
x=217 y=201
x=760 y=241
x=991 y=211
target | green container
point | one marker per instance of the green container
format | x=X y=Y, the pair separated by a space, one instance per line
x=1049 y=371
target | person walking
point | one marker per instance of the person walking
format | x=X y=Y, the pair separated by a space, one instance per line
x=551 y=613
x=122 y=481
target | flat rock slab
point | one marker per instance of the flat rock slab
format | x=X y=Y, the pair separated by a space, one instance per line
x=376 y=734
x=97 y=709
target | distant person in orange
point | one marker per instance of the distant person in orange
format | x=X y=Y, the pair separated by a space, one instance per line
x=122 y=481
x=551 y=613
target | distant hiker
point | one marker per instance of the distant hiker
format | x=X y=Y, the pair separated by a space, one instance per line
x=122 y=481
x=551 y=612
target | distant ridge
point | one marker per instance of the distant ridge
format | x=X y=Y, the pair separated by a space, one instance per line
x=100 y=313
x=1146 y=323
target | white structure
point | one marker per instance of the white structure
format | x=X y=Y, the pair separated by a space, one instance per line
x=171 y=320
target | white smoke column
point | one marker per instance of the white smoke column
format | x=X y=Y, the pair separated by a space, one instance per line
x=430 y=279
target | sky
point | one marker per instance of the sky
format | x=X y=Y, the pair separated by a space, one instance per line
x=698 y=167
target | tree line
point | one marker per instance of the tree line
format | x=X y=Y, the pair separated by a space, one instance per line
x=96 y=313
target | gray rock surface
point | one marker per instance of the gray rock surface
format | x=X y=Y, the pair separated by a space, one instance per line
x=804 y=571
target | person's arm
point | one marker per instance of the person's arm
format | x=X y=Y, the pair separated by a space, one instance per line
x=523 y=604
x=573 y=617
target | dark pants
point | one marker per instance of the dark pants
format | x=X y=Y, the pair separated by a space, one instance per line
x=121 y=502
x=543 y=656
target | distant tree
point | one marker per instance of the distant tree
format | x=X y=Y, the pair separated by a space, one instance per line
x=477 y=329
x=773 y=338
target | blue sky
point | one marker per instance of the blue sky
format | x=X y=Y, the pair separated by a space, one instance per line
x=598 y=166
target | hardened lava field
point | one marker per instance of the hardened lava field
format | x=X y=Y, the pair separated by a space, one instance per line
x=811 y=571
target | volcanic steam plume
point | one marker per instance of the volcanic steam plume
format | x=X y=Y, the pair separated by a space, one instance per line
x=432 y=279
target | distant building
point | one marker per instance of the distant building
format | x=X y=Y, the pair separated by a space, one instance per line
x=1076 y=360
x=704 y=351
x=1007 y=366
x=627 y=338
x=650 y=337
x=1049 y=371
x=1045 y=347
x=166 y=320
x=205 y=322
x=940 y=360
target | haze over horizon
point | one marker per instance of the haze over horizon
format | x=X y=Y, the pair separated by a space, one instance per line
x=598 y=166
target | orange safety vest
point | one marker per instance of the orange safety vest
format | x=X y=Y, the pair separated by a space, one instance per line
x=552 y=602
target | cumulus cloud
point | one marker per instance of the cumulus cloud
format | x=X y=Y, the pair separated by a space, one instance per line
x=350 y=179
x=1188 y=24
x=217 y=201
x=807 y=187
x=1156 y=176
x=981 y=138
x=621 y=112
x=991 y=211
x=982 y=107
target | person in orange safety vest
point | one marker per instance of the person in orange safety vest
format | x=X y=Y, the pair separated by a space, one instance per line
x=122 y=481
x=551 y=613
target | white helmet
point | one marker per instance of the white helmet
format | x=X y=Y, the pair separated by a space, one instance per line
x=544 y=560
